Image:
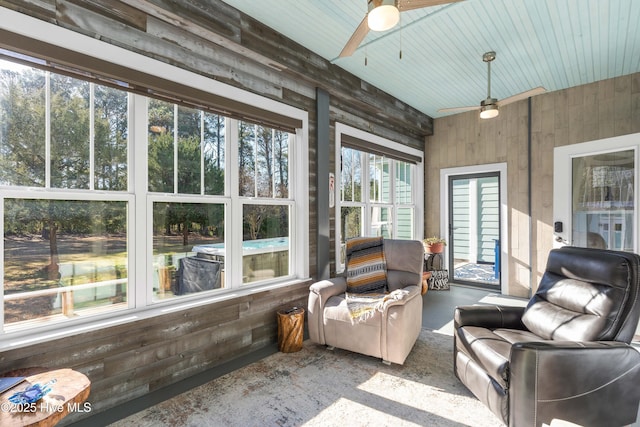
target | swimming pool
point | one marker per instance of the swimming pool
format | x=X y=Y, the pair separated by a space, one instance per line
x=249 y=247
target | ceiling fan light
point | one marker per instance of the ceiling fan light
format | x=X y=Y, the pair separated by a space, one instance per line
x=383 y=15
x=489 y=111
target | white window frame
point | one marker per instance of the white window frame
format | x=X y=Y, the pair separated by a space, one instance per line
x=417 y=189
x=140 y=251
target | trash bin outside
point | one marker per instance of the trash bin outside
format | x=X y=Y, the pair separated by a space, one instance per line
x=290 y=329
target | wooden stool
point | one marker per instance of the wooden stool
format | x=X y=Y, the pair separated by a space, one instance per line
x=290 y=329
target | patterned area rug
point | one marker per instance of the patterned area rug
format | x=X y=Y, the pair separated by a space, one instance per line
x=319 y=387
x=476 y=273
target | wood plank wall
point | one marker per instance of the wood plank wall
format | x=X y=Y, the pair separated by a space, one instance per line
x=215 y=40
x=130 y=360
x=585 y=113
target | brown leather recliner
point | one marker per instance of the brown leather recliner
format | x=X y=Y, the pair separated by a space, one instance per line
x=566 y=356
x=391 y=333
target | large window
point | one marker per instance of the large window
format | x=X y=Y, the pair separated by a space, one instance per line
x=65 y=240
x=378 y=195
x=114 y=201
x=263 y=155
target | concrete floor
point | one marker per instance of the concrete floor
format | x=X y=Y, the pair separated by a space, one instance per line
x=438 y=306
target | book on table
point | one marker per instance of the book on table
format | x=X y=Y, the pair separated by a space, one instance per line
x=8 y=382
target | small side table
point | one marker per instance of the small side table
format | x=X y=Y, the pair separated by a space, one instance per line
x=439 y=279
x=67 y=395
x=290 y=329
x=433 y=261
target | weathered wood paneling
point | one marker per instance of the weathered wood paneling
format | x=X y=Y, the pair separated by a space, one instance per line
x=129 y=360
x=41 y=9
x=113 y=9
x=585 y=113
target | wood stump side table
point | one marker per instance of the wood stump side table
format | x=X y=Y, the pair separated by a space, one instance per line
x=290 y=329
x=68 y=394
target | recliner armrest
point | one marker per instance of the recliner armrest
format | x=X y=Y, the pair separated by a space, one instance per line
x=489 y=316
x=325 y=289
x=564 y=377
x=319 y=294
x=402 y=296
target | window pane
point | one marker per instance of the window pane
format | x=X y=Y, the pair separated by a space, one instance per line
x=603 y=205
x=22 y=125
x=247 y=159
x=214 y=145
x=403 y=183
x=351 y=222
x=63 y=258
x=161 y=125
x=188 y=248
x=379 y=170
x=264 y=161
x=189 y=153
x=281 y=164
x=351 y=176
x=381 y=222
x=70 y=126
x=111 y=138
x=405 y=223
x=265 y=242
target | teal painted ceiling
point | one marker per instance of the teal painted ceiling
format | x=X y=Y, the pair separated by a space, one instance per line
x=555 y=44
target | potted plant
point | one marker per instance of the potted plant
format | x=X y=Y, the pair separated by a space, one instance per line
x=434 y=245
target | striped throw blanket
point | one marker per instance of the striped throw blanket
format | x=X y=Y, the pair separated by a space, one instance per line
x=366 y=265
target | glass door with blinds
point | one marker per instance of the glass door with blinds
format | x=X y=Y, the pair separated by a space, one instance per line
x=595 y=193
x=474 y=229
x=603 y=200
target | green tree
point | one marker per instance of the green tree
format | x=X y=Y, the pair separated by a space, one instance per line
x=160 y=152
x=111 y=139
x=189 y=151
x=246 y=159
x=213 y=151
x=281 y=150
x=264 y=164
x=70 y=130
x=22 y=127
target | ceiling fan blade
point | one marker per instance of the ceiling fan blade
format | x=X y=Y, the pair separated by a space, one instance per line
x=458 y=109
x=358 y=35
x=418 y=4
x=522 y=95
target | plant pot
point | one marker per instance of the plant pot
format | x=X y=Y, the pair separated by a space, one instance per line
x=435 y=248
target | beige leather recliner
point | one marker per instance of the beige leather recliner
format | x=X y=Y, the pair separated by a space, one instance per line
x=389 y=334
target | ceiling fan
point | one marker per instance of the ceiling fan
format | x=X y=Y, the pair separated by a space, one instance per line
x=383 y=15
x=489 y=108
